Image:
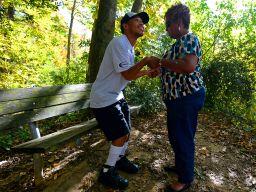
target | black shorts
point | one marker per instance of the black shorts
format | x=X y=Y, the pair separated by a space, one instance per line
x=114 y=120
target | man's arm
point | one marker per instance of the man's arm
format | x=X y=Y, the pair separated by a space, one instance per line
x=149 y=72
x=135 y=71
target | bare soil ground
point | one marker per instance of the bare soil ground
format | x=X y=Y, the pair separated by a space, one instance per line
x=225 y=160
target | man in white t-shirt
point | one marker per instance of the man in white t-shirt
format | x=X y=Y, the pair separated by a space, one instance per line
x=107 y=99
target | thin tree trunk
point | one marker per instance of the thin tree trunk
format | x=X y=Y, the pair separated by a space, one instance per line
x=102 y=34
x=69 y=38
x=10 y=12
x=137 y=4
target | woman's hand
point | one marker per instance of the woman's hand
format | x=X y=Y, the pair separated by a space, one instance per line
x=152 y=62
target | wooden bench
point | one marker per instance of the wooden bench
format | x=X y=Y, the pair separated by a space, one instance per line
x=22 y=106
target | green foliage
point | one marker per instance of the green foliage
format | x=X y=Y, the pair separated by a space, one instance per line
x=74 y=117
x=6 y=141
x=145 y=92
x=23 y=134
x=29 y=45
x=14 y=137
x=231 y=87
x=228 y=29
x=75 y=74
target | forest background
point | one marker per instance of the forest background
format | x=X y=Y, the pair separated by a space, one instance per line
x=40 y=47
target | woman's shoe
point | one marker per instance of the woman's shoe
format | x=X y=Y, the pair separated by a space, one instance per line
x=184 y=188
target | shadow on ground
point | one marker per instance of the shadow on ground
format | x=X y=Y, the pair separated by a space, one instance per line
x=223 y=162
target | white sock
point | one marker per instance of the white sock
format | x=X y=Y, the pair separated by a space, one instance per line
x=124 y=149
x=113 y=156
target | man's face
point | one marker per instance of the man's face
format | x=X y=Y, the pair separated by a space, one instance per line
x=135 y=26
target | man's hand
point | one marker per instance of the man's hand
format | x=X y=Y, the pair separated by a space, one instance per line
x=153 y=72
x=152 y=62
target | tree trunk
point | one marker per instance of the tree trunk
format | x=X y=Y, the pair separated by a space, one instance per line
x=10 y=12
x=137 y=4
x=103 y=32
x=69 y=38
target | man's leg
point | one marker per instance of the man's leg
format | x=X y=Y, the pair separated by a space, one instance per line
x=108 y=175
x=113 y=123
x=124 y=164
x=116 y=150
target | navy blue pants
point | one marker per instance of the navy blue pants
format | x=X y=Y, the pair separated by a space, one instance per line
x=182 y=116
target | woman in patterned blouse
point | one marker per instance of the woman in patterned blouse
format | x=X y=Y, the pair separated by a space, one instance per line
x=183 y=93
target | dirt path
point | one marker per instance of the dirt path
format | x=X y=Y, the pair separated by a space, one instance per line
x=225 y=161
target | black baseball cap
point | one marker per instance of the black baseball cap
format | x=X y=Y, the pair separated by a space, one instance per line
x=143 y=15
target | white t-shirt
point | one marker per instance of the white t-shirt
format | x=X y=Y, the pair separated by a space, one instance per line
x=108 y=86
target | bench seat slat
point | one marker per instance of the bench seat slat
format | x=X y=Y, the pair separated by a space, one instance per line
x=23 y=93
x=56 y=138
x=14 y=121
x=40 y=102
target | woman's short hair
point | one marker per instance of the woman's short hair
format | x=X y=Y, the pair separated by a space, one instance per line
x=177 y=12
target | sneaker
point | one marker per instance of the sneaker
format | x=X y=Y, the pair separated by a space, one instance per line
x=125 y=165
x=112 y=179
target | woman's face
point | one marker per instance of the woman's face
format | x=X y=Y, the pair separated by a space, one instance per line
x=172 y=28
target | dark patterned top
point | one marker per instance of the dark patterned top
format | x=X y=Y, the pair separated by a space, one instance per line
x=175 y=85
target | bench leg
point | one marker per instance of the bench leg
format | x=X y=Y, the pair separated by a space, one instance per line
x=38 y=162
x=78 y=141
x=38 y=168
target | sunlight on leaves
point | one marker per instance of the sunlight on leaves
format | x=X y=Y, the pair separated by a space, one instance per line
x=58 y=166
x=214 y=159
x=157 y=186
x=232 y=174
x=3 y=162
x=88 y=180
x=216 y=179
x=147 y=138
x=157 y=164
x=250 y=180
x=10 y=161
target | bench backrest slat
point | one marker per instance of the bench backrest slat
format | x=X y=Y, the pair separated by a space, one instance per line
x=23 y=105
x=24 y=93
x=16 y=120
x=15 y=106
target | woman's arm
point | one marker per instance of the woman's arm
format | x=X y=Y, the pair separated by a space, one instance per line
x=184 y=65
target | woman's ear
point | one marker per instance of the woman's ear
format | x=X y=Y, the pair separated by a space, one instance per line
x=179 y=22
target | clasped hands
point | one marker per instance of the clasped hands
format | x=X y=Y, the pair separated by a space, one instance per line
x=154 y=66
